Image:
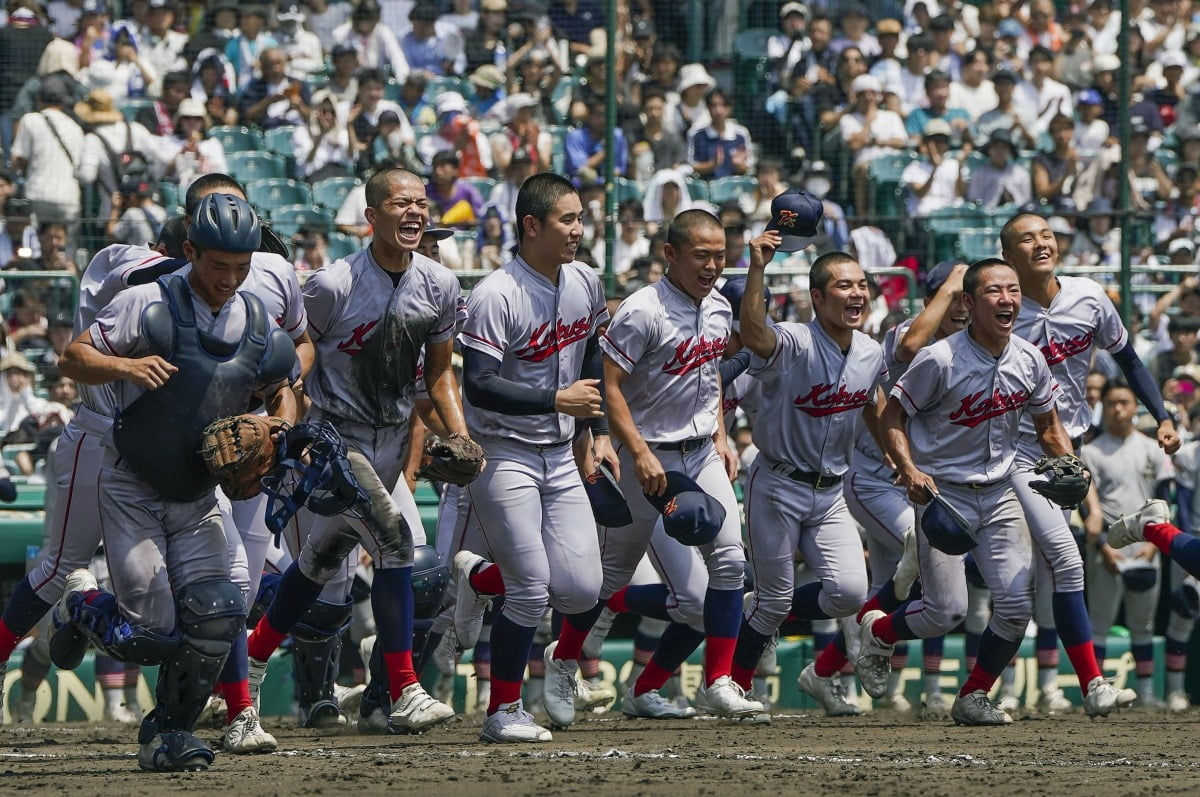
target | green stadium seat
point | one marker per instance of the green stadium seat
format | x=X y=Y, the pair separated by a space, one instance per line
x=278 y=141
x=627 y=189
x=247 y=166
x=1167 y=158
x=483 y=185
x=438 y=85
x=130 y=108
x=237 y=138
x=977 y=244
x=287 y=221
x=560 y=98
x=342 y=245
x=168 y=193
x=279 y=192
x=725 y=189
x=698 y=190
x=558 y=148
x=331 y=192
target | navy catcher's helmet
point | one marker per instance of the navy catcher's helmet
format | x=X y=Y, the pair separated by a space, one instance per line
x=690 y=515
x=313 y=471
x=429 y=579
x=225 y=223
x=945 y=528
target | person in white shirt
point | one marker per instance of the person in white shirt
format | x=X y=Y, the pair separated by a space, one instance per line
x=111 y=137
x=47 y=147
x=933 y=181
x=17 y=400
x=324 y=18
x=975 y=93
x=870 y=132
x=306 y=57
x=196 y=155
x=1042 y=93
x=911 y=89
x=999 y=181
x=323 y=145
x=160 y=45
x=377 y=45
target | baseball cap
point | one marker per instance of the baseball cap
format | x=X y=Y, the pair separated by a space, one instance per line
x=888 y=27
x=343 y=49
x=97 y=7
x=690 y=515
x=643 y=29
x=937 y=127
x=733 y=290
x=866 y=83
x=945 y=528
x=487 y=76
x=521 y=155
x=493 y=5
x=938 y=275
x=1090 y=97
x=1180 y=244
x=448 y=102
x=793 y=8
x=1006 y=75
x=437 y=233
x=1172 y=58
x=607 y=500
x=290 y=10
x=1009 y=28
x=1105 y=62
x=1060 y=226
x=389 y=117
x=795 y=214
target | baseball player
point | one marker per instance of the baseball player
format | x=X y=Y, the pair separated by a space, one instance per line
x=1185 y=595
x=175 y=603
x=819 y=380
x=370 y=315
x=1127 y=469
x=874 y=499
x=532 y=365
x=1066 y=318
x=950 y=426
x=662 y=350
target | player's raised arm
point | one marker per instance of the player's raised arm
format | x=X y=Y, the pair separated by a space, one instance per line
x=757 y=336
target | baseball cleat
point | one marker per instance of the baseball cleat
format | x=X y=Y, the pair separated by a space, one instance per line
x=828 y=692
x=415 y=710
x=213 y=715
x=561 y=687
x=598 y=633
x=469 y=605
x=513 y=724
x=69 y=644
x=1009 y=702
x=1127 y=529
x=593 y=696
x=977 y=709
x=651 y=705
x=1103 y=698
x=908 y=568
x=120 y=713
x=725 y=698
x=349 y=698
x=256 y=671
x=445 y=655
x=874 y=662
x=1178 y=702
x=246 y=735
x=176 y=751
x=1053 y=701
x=896 y=702
x=936 y=707
x=23 y=710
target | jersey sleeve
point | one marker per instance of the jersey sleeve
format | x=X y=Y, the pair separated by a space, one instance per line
x=448 y=309
x=1185 y=461
x=295 y=317
x=1110 y=332
x=629 y=336
x=487 y=328
x=922 y=384
x=791 y=341
x=599 y=303
x=1045 y=389
x=322 y=302
x=117 y=330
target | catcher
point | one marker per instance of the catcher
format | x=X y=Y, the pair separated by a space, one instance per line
x=179 y=354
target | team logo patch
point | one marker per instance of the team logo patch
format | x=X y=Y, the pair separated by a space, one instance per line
x=1056 y=351
x=979 y=407
x=547 y=340
x=693 y=353
x=353 y=345
x=825 y=399
x=788 y=218
x=671 y=507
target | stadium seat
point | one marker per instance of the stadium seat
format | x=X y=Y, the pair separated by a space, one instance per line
x=558 y=148
x=287 y=221
x=168 y=193
x=130 y=107
x=977 y=244
x=278 y=141
x=560 y=98
x=342 y=245
x=248 y=166
x=944 y=227
x=438 y=85
x=331 y=192
x=272 y=194
x=483 y=185
x=627 y=189
x=725 y=189
x=237 y=139
x=698 y=190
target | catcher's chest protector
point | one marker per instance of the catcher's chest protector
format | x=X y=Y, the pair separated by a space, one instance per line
x=159 y=434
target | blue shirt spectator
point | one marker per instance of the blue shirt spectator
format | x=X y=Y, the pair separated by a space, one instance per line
x=721 y=149
x=585 y=145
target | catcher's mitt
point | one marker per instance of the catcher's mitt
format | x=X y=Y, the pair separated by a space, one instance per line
x=453 y=460
x=240 y=450
x=1067 y=480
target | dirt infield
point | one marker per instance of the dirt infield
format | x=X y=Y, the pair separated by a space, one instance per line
x=1131 y=754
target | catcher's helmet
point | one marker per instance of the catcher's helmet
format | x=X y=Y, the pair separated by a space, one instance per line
x=429 y=579
x=312 y=471
x=945 y=528
x=225 y=223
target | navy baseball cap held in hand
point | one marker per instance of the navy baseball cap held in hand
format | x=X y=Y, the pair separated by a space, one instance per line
x=945 y=528
x=606 y=498
x=690 y=515
x=796 y=216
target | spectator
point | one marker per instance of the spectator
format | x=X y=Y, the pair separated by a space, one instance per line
x=756 y=204
x=159 y=116
x=830 y=101
x=735 y=245
x=1010 y=115
x=47 y=148
x=1173 y=90
x=395 y=142
x=1163 y=31
x=1012 y=45
x=504 y=194
x=196 y=153
x=376 y=44
x=585 y=147
x=521 y=131
x=886 y=66
x=786 y=48
x=537 y=76
x=306 y=57
x=212 y=73
x=219 y=26
x=1074 y=60
x=430 y=49
x=250 y=45
x=1091 y=133
x=438 y=244
x=161 y=45
x=64 y=17
x=26 y=325
x=495 y=242
x=322 y=147
x=1147 y=177
x=580 y=22
x=275 y=100
x=591 y=89
x=1043 y=29
x=1099 y=243
x=59 y=60
x=937 y=92
x=974 y=93
x=999 y=181
x=1179 y=214
x=1103 y=26
x=52 y=252
x=324 y=17
x=933 y=181
x=17 y=400
x=457 y=131
x=631 y=242
x=21 y=44
x=1054 y=171
x=818 y=64
x=723 y=148
x=1182 y=352
x=666 y=145
x=944 y=58
x=638 y=61
x=460 y=202
x=666 y=197
x=855 y=22
x=116 y=149
x=869 y=132
x=664 y=73
x=18 y=236
x=312 y=251
x=488 y=82
x=485 y=43
x=343 y=80
x=364 y=116
x=1064 y=237
x=694 y=84
x=123 y=74
x=351 y=218
x=911 y=90
x=135 y=218
x=1042 y=93
x=532 y=34
x=93 y=36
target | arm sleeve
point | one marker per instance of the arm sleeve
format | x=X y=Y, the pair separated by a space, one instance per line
x=735 y=366
x=1183 y=499
x=1141 y=381
x=593 y=368
x=486 y=389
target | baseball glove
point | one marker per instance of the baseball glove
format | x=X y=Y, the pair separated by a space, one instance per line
x=1067 y=480
x=240 y=450
x=453 y=460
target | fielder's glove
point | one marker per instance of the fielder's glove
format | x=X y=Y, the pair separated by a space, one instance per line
x=453 y=460
x=1067 y=480
x=240 y=450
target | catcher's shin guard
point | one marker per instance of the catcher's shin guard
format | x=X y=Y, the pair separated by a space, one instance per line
x=316 y=649
x=211 y=614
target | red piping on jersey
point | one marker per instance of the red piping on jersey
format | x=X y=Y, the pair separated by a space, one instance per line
x=493 y=344
x=620 y=351
x=129 y=269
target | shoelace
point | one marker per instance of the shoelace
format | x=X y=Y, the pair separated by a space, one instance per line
x=839 y=691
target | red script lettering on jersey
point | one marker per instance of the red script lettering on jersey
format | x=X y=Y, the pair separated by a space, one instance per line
x=1055 y=351
x=544 y=342
x=823 y=400
x=692 y=353
x=978 y=407
x=353 y=345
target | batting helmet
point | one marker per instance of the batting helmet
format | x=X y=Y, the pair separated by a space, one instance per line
x=945 y=528
x=429 y=579
x=690 y=515
x=225 y=223
x=606 y=498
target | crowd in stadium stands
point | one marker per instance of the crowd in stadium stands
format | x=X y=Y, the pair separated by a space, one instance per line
x=921 y=123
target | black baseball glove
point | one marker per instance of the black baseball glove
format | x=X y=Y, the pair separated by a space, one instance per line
x=1067 y=480
x=453 y=460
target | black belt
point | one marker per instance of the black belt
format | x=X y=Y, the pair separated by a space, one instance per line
x=983 y=486
x=819 y=481
x=685 y=446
